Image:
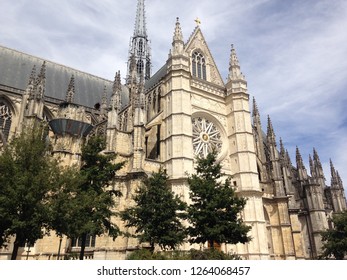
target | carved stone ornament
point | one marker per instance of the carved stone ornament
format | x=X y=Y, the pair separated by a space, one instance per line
x=206 y=137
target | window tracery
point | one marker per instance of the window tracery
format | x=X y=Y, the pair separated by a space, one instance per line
x=198 y=65
x=206 y=137
x=5 y=120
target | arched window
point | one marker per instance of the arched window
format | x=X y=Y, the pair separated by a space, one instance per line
x=148 y=69
x=5 y=120
x=140 y=67
x=198 y=65
x=140 y=48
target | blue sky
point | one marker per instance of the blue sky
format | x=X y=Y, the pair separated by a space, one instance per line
x=293 y=53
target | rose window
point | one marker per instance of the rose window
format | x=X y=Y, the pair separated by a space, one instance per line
x=206 y=137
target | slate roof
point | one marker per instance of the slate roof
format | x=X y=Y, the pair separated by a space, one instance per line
x=15 y=69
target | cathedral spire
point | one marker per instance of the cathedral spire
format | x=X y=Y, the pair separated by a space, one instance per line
x=139 y=45
x=140 y=21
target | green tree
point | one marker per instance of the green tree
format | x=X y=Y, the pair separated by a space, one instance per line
x=335 y=239
x=157 y=214
x=86 y=206
x=214 y=213
x=28 y=176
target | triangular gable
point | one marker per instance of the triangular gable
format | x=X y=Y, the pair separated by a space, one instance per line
x=198 y=42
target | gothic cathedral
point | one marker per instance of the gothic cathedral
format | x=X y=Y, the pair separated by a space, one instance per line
x=167 y=119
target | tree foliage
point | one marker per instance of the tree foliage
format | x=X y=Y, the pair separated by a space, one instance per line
x=214 y=213
x=157 y=213
x=86 y=206
x=28 y=176
x=335 y=239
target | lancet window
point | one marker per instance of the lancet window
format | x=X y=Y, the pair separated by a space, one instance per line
x=199 y=65
x=5 y=120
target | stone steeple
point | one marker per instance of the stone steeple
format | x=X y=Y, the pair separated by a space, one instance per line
x=139 y=46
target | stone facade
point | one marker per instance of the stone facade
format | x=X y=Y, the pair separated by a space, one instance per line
x=183 y=111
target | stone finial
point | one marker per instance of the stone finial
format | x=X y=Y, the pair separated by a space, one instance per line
x=234 y=67
x=70 y=93
x=104 y=98
x=270 y=130
x=282 y=150
x=178 y=36
x=299 y=161
x=32 y=76
x=334 y=179
x=312 y=167
x=255 y=108
x=116 y=100
x=316 y=159
x=234 y=62
x=42 y=74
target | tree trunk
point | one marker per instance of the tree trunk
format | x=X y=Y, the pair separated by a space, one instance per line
x=83 y=245
x=15 y=249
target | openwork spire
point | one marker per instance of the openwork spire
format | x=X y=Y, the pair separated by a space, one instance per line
x=139 y=46
x=140 y=21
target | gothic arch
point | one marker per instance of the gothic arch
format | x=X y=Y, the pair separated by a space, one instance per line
x=198 y=64
x=7 y=111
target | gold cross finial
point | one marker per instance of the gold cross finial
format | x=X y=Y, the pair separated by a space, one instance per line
x=198 y=22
